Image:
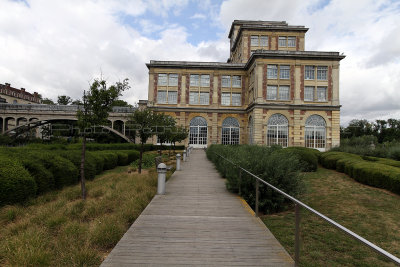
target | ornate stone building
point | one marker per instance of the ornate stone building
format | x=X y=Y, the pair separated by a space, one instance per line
x=270 y=91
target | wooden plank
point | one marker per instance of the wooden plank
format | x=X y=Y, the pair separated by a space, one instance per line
x=197 y=223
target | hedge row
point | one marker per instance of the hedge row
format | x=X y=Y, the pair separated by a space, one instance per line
x=374 y=171
x=23 y=175
x=97 y=147
x=279 y=167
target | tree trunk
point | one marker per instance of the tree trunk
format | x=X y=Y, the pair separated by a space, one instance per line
x=140 y=158
x=83 y=186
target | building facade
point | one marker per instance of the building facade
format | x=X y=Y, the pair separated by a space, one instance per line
x=13 y=95
x=270 y=91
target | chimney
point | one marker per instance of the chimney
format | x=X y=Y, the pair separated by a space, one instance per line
x=22 y=89
x=8 y=85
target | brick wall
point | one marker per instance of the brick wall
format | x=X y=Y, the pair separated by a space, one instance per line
x=155 y=87
x=329 y=83
x=302 y=82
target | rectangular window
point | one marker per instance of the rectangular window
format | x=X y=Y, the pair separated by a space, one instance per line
x=291 y=41
x=205 y=81
x=173 y=97
x=226 y=81
x=282 y=41
x=193 y=98
x=322 y=73
x=309 y=93
x=309 y=73
x=226 y=99
x=283 y=92
x=236 y=81
x=321 y=93
x=254 y=40
x=271 y=92
x=263 y=40
x=162 y=97
x=272 y=71
x=162 y=79
x=236 y=99
x=173 y=80
x=204 y=98
x=284 y=72
x=194 y=80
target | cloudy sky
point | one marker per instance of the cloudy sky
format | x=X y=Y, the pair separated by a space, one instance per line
x=56 y=47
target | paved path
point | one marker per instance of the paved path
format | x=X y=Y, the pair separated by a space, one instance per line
x=197 y=222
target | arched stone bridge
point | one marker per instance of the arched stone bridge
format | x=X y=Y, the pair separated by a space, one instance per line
x=15 y=116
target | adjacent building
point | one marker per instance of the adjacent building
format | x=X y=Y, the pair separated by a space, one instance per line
x=13 y=95
x=270 y=91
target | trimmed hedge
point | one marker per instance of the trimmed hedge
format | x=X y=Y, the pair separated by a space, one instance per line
x=75 y=156
x=279 y=167
x=370 y=172
x=16 y=184
x=43 y=177
x=308 y=157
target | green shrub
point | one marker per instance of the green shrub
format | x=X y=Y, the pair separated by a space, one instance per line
x=99 y=160
x=371 y=171
x=110 y=159
x=75 y=156
x=147 y=161
x=122 y=158
x=308 y=158
x=16 y=184
x=274 y=165
x=44 y=178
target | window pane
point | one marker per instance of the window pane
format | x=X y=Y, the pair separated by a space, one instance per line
x=254 y=40
x=284 y=72
x=162 y=79
x=226 y=81
x=309 y=93
x=263 y=40
x=322 y=72
x=172 y=97
x=204 y=98
x=173 y=80
x=236 y=81
x=236 y=99
x=193 y=98
x=271 y=92
x=321 y=93
x=205 y=81
x=309 y=73
x=162 y=97
x=272 y=71
x=194 y=80
x=282 y=41
x=291 y=41
x=226 y=99
x=284 y=92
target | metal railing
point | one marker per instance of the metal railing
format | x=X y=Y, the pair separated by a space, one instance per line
x=299 y=204
x=43 y=107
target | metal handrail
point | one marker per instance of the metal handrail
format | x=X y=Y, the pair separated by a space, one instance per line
x=299 y=203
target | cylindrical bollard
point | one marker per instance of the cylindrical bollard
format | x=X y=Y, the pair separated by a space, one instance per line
x=178 y=162
x=162 y=171
x=159 y=152
x=184 y=155
x=188 y=152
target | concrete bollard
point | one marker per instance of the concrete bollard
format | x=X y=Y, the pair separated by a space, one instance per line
x=188 y=152
x=178 y=162
x=184 y=156
x=162 y=171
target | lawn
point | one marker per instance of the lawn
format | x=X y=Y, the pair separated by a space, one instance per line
x=60 y=229
x=370 y=212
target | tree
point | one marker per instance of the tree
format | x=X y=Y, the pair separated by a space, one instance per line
x=76 y=102
x=165 y=124
x=63 y=100
x=142 y=124
x=120 y=103
x=97 y=103
x=47 y=101
x=178 y=135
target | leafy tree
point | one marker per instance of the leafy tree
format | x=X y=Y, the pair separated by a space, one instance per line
x=97 y=103
x=165 y=124
x=179 y=134
x=76 y=102
x=142 y=123
x=63 y=100
x=47 y=101
x=120 y=103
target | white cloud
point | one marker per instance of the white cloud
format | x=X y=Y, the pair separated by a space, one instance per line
x=198 y=16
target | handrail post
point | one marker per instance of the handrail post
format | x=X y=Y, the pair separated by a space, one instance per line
x=297 y=235
x=240 y=182
x=257 y=195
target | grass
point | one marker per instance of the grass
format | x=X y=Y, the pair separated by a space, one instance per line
x=370 y=212
x=60 y=229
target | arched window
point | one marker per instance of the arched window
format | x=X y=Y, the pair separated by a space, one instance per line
x=250 y=130
x=230 y=131
x=315 y=133
x=277 y=130
x=198 y=132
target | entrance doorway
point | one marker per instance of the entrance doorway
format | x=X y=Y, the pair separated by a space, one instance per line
x=198 y=132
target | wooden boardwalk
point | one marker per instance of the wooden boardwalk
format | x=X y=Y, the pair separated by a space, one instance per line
x=197 y=223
